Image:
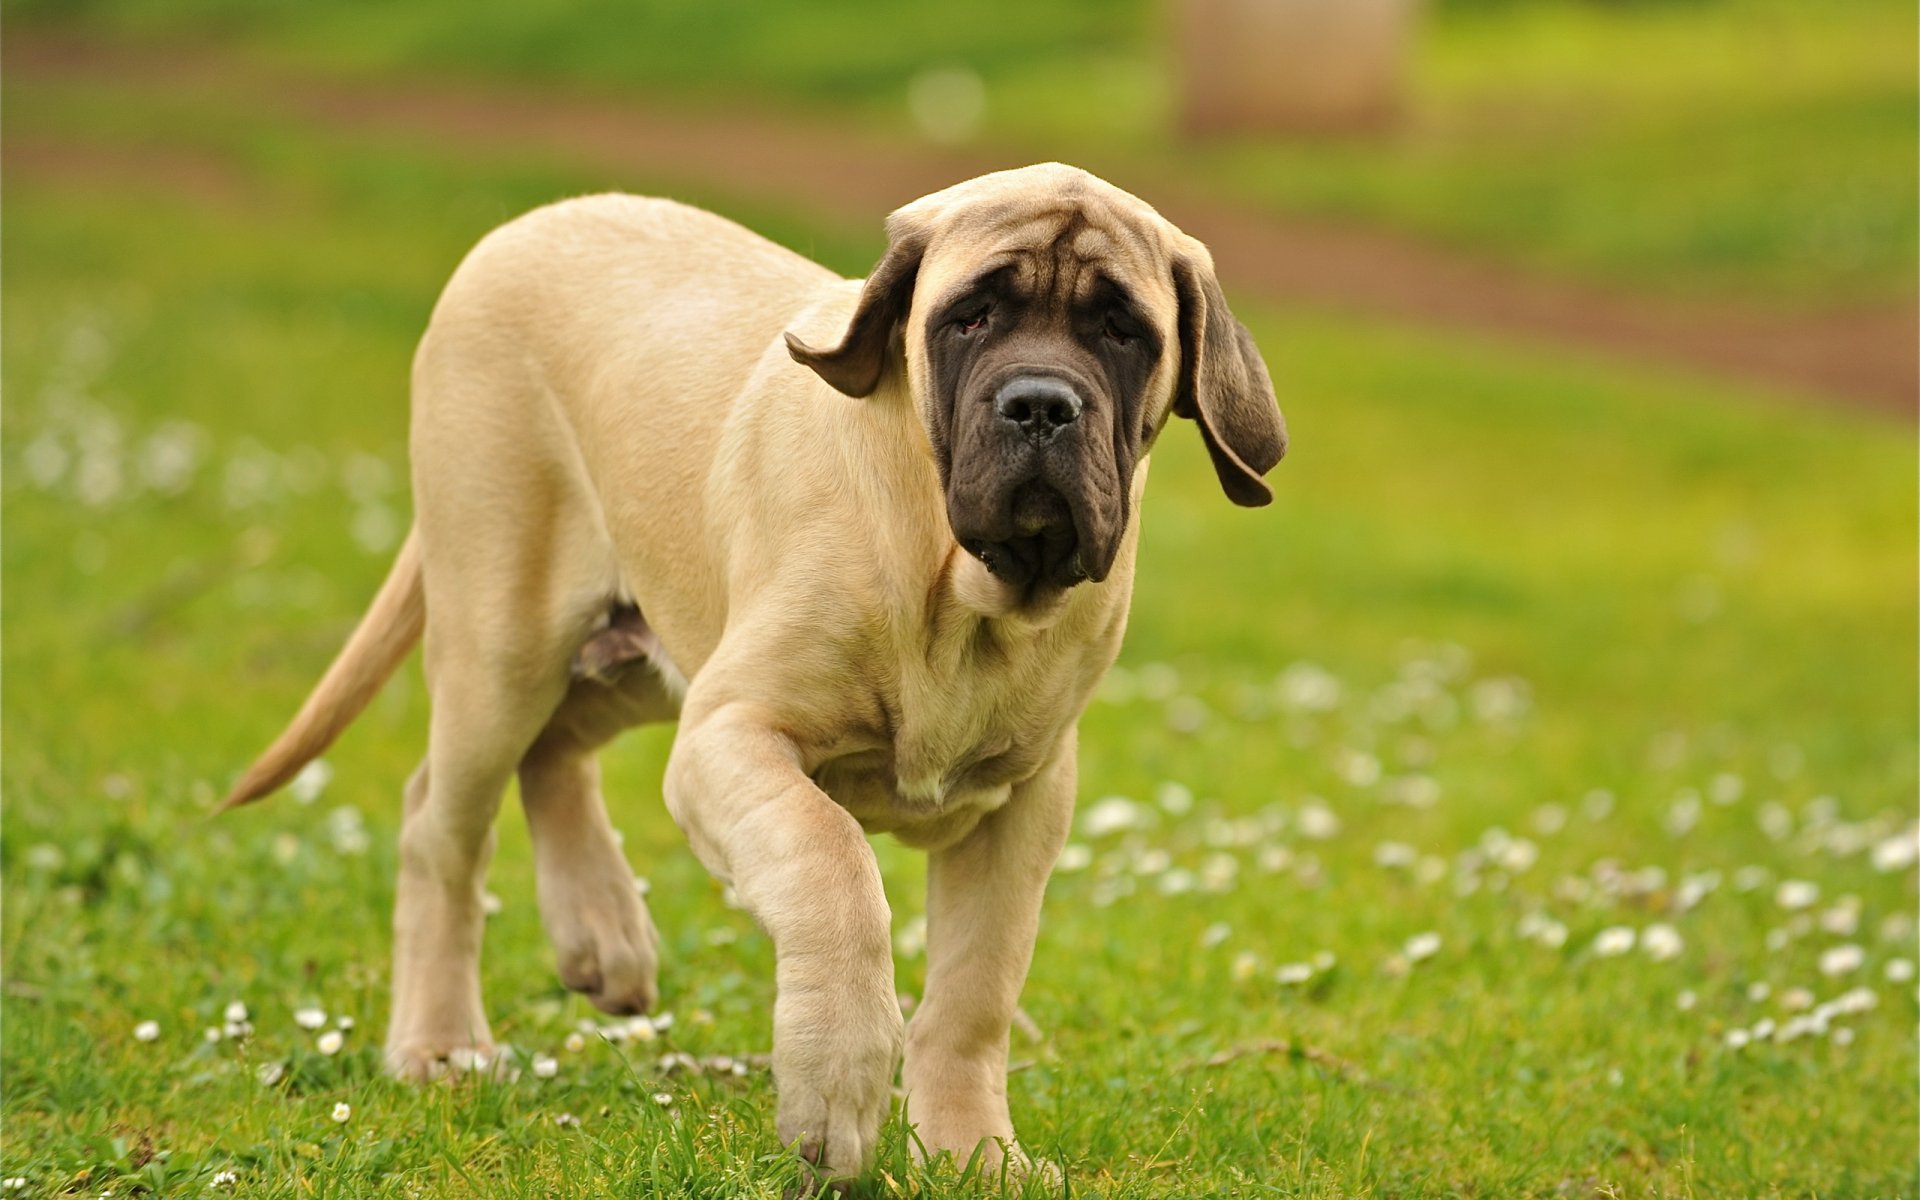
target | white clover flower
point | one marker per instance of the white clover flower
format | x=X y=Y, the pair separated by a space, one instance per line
x=1113 y=814
x=1394 y=854
x=311 y=781
x=1662 y=942
x=1316 y=820
x=212 y=1035
x=1796 y=894
x=1293 y=973
x=236 y=1012
x=1421 y=946
x=1737 y=1039
x=1177 y=882
x=1074 y=857
x=310 y=1018
x=329 y=1043
x=342 y=1113
x=1614 y=941
x=1897 y=852
x=1841 y=960
x=146 y=1031
x=575 y=1043
x=545 y=1066
x=663 y=1099
x=1175 y=799
x=1898 y=970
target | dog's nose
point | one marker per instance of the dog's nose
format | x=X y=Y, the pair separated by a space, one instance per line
x=1039 y=404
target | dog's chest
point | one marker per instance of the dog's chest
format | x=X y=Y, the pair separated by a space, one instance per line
x=957 y=742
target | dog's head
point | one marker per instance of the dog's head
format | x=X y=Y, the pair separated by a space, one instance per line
x=1048 y=324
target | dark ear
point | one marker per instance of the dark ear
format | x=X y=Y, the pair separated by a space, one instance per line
x=857 y=363
x=1224 y=387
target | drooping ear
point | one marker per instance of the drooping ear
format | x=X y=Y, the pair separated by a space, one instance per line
x=1225 y=387
x=857 y=363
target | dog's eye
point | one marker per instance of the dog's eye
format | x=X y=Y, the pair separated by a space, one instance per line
x=972 y=323
x=1120 y=331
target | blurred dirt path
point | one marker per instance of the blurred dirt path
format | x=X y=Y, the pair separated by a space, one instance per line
x=1864 y=357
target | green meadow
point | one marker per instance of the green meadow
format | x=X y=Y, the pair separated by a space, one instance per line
x=1522 y=806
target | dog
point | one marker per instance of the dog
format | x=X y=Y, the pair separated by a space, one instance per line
x=871 y=543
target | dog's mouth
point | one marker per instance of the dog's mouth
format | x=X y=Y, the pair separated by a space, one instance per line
x=1038 y=545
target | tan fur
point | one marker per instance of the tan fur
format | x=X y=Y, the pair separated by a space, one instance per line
x=607 y=417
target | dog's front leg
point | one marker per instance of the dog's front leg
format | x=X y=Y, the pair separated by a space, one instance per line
x=983 y=910
x=801 y=865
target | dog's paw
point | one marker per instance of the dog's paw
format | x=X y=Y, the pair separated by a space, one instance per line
x=605 y=946
x=834 y=1132
x=426 y=1061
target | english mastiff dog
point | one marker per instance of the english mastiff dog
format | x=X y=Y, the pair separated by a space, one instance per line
x=870 y=543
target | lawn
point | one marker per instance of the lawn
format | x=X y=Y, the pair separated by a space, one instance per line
x=1537 y=772
x=1756 y=149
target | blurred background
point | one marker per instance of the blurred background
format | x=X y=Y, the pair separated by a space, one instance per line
x=1594 y=322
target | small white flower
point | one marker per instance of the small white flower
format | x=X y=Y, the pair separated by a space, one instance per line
x=146 y=1031
x=1763 y=1029
x=545 y=1066
x=309 y=1018
x=1317 y=821
x=1114 y=814
x=1244 y=965
x=1074 y=857
x=1613 y=941
x=1662 y=942
x=1843 y=1036
x=663 y=1098
x=1177 y=882
x=1685 y=1001
x=1738 y=1038
x=1841 y=960
x=1843 y=919
x=643 y=1029
x=311 y=781
x=1795 y=894
x=212 y=1035
x=491 y=904
x=1796 y=999
x=343 y=1023
x=270 y=1073
x=225 y=1179
x=1898 y=970
x=342 y=1113
x=1758 y=991
x=1293 y=973
x=1215 y=934
x=236 y=1013
x=565 y=1119
x=1394 y=854
x=1421 y=946
x=1175 y=799
x=329 y=1043
x=575 y=1043
x=13 y=1183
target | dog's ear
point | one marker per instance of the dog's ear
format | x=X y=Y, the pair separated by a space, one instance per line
x=856 y=365
x=1224 y=386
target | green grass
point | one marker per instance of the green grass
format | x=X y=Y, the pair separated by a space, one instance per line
x=1535 y=578
x=1759 y=149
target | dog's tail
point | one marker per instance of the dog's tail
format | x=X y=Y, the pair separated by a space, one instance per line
x=376 y=649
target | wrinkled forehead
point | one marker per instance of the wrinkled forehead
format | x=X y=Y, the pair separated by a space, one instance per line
x=1071 y=245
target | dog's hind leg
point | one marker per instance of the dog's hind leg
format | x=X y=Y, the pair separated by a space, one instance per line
x=604 y=943
x=486 y=711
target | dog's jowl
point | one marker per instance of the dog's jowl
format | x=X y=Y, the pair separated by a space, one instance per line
x=871 y=544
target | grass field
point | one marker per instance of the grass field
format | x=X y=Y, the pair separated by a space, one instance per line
x=1530 y=650
x=1752 y=148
